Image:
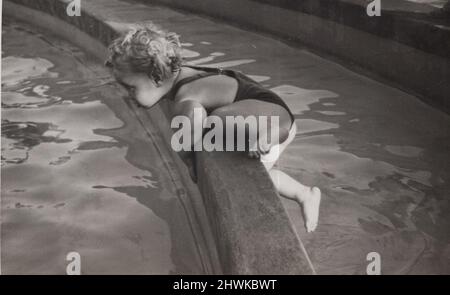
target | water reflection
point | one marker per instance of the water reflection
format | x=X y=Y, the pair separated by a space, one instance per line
x=65 y=135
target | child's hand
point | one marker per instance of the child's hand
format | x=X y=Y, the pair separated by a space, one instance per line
x=258 y=150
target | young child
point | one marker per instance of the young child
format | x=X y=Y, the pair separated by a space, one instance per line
x=148 y=63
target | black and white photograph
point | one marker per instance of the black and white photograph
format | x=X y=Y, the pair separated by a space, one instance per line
x=225 y=137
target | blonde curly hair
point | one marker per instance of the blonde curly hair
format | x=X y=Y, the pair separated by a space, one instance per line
x=146 y=49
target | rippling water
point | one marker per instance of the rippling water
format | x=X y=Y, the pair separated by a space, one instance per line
x=78 y=171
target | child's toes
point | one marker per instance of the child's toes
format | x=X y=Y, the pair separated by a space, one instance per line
x=311 y=226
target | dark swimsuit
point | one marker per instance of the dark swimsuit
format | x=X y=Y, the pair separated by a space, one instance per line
x=247 y=87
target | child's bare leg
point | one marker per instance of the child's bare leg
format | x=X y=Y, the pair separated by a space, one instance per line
x=290 y=188
x=307 y=196
x=285 y=185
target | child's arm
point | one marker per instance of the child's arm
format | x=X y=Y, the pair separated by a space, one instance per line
x=188 y=108
x=196 y=115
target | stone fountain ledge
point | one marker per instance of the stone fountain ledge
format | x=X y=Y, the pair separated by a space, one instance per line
x=408 y=46
x=251 y=229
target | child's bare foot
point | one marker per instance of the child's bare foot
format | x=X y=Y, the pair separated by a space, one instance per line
x=310 y=200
